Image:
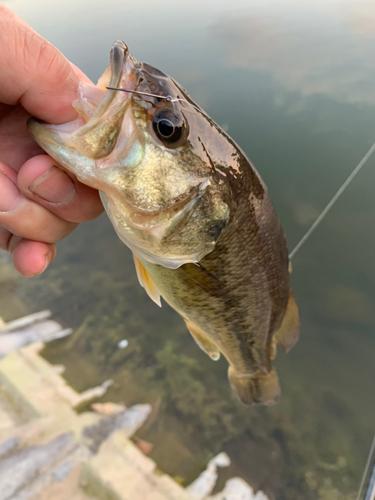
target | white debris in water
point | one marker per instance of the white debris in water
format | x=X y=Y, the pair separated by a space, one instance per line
x=205 y=482
x=238 y=489
x=123 y=343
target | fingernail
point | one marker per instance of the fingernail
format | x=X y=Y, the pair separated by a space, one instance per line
x=49 y=257
x=10 y=196
x=54 y=186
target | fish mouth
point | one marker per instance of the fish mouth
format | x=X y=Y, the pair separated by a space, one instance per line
x=119 y=51
x=87 y=143
x=121 y=65
x=98 y=137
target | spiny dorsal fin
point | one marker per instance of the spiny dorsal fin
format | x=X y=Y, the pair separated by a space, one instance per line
x=146 y=282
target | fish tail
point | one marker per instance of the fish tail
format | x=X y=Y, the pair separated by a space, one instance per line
x=255 y=388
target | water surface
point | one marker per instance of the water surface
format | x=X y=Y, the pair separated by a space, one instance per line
x=293 y=82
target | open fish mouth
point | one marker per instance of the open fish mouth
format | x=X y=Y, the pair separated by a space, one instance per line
x=118 y=55
x=98 y=137
x=88 y=143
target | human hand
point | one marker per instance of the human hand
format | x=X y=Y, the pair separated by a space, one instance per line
x=39 y=203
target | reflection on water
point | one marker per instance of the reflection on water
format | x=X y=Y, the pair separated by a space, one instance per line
x=278 y=41
x=293 y=82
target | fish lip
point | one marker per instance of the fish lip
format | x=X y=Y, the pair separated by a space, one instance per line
x=118 y=56
x=122 y=66
x=43 y=133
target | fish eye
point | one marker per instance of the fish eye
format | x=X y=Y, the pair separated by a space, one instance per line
x=165 y=128
x=168 y=126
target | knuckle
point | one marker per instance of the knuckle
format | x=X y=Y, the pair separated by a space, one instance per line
x=45 y=58
x=7 y=14
x=13 y=242
x=34 y=222
x=5 y=237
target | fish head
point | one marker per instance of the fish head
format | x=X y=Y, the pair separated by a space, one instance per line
x=159 y=162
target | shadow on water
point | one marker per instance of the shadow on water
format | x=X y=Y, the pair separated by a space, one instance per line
x=302 y=108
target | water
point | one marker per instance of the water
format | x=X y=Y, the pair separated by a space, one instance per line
x=294 y=84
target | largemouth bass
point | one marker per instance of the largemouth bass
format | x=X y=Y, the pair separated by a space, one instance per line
x=194 y=212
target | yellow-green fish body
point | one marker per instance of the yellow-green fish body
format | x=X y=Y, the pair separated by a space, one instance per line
x=193 y=210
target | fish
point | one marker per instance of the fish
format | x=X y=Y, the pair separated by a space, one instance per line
x=192 y=209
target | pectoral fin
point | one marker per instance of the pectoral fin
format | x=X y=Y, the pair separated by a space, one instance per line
x=287 y=335
x=204 y=342
x=146 y=282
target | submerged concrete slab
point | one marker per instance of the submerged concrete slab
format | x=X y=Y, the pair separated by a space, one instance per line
x=50 y=452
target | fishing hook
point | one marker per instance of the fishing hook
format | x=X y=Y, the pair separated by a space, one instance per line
x=168 y=98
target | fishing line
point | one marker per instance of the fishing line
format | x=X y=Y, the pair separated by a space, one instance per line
x=168 y=98
x=370 y=455
x=292 y=254
x=332 y=202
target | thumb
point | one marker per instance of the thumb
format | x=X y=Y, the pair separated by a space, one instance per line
x=33 y=72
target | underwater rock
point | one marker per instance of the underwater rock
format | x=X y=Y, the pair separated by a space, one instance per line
x=129 y=421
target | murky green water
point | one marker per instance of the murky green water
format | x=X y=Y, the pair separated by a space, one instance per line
x=294 y=82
